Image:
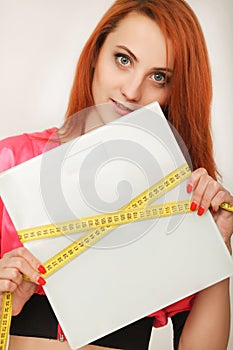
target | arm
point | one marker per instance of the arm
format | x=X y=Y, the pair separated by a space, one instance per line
x=18 y=261
x=208 y=324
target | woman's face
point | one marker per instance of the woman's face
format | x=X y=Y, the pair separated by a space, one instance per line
x=131 y=67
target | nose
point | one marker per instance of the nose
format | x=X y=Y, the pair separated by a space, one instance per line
x=131 y=89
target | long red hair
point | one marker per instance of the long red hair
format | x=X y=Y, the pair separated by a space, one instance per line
x=189 y=102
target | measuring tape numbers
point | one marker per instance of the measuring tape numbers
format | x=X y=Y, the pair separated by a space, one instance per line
x=130 y=212
x=79 y=225
x=95 y=234
x=116 y=218
x=5 y=319
x=99 y=226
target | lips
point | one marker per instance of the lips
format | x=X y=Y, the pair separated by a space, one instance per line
x=120 y=105
x=121 y=108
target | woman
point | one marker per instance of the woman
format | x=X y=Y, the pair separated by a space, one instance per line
x=140 y=51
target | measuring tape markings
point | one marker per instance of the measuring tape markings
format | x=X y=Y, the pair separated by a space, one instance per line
x=91 y=237
x=99 y=226
x=5 y=319
x=116 y=218
x=105 y=223
x=86 y=240
x=84 y=224
x=227 y=207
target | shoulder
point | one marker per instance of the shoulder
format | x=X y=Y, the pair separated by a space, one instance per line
x=17 y=149
x=13 y=141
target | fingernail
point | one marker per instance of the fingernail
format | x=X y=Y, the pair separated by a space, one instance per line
x=41 y=281
x=189 y=188
x=41 y=269
x=200 y=211
x=193 y=206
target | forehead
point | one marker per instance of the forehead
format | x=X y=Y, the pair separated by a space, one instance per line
x=142 y=35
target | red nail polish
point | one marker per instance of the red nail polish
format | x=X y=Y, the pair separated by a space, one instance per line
x=189 y=188
x=41 y=269
x=200 y=211
x=41 y=281
x=193 y=206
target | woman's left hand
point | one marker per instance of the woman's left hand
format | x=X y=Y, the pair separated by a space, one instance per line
x=208 y=193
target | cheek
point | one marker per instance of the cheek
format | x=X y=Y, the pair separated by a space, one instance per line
x=102 y=79
x=162 y=98
x=156 y=94
x=97 y=86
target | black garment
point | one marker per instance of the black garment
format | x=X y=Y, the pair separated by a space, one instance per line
x=135 y=336
x=37 y=319
x=178 y=322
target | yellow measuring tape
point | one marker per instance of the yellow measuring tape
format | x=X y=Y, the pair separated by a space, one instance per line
x=5 y=320
x=116 y=218
x=111 y=220
x=99 y=226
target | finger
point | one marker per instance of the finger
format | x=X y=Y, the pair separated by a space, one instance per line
x=12 y=274
x=194 y=178
x=28 y=256
x=202 y=194
x=17 y=266
x=209 y=193
x=7 y=286
x=26 y=269
x=221 y=197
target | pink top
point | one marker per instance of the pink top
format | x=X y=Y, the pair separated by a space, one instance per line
x=17 y=149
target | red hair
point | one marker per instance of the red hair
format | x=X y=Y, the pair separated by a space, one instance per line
x=189 y=101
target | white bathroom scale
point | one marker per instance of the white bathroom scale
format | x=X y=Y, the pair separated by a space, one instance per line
x=137 y=268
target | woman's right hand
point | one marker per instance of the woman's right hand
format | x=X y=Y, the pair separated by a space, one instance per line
x=13 y=266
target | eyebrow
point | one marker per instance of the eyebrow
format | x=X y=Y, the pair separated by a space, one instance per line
x=129 y=52
x=135 y=58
